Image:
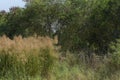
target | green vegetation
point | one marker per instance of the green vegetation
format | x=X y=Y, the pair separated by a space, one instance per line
x=79 y=24
x=33 y=59
x=86 y=44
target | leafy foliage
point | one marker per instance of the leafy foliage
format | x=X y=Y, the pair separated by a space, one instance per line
x=80 y=24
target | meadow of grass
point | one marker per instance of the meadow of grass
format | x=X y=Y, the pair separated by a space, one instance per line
x=37 y=58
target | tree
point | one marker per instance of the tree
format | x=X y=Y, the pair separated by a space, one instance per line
x=94 y=30
x=3 y=20
x=41 y=15
x=88 y=25
x=15 y=22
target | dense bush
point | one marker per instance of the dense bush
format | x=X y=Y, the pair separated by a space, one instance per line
x=79 y=24
x=84 y=28
x=114 y=60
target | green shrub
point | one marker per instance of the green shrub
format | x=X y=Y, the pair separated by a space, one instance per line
x=114 y=60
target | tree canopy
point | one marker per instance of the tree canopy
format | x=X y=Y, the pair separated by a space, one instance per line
x=79 y=24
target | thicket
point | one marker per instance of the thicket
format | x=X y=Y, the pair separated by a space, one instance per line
x=81 y=25
x=87 y=47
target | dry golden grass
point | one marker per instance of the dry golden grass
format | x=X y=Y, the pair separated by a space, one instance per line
x=21 y=44
x=22 y=47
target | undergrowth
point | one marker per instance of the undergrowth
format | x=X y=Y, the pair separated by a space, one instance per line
x=36 y=58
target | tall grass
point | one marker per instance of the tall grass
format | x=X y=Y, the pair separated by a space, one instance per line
x=26 y=56
x=36 y=58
